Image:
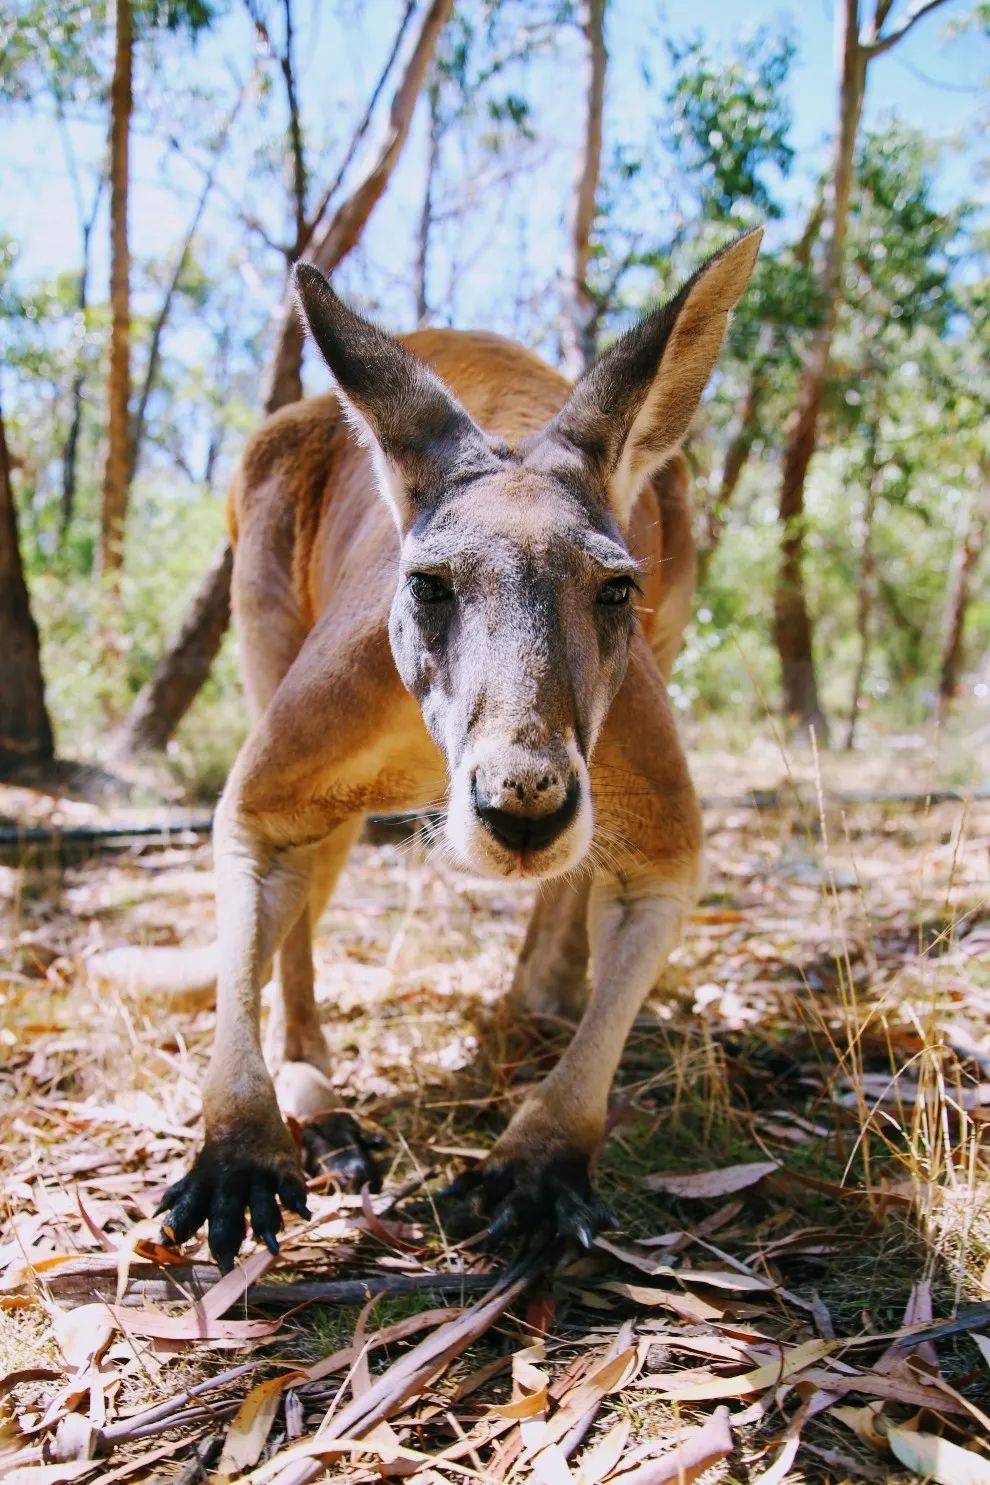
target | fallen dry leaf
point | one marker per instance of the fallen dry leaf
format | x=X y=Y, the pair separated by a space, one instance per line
x=696 y=1451
x=935 y=1458
x=604 y=1457
x=788 y=1364
x=251 y=1424
x=706 y=1184
x=83 y=1334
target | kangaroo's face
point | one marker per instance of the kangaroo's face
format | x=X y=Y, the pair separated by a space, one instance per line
x=511 y=626
x=512 y=620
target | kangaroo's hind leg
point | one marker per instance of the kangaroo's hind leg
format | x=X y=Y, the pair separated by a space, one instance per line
x=551 y=976
x=333 y=1143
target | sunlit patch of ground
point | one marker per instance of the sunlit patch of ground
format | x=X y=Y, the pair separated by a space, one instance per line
x=827 y=1016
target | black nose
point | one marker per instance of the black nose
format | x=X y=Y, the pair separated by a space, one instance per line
x=528 y=832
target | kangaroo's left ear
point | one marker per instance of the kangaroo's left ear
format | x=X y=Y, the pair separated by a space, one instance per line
x=629 y=412
x=421 y=438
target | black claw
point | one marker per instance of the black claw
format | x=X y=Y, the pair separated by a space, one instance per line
x=504 y=1222
x=266 y=1219
x=526 y=1196
x=292 y=1195
x=462 y=1185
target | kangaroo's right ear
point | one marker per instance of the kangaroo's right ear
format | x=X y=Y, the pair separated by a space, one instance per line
x=421 y=438
x=629 y=412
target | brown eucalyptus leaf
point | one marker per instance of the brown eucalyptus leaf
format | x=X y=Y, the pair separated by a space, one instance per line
x=703 y=1185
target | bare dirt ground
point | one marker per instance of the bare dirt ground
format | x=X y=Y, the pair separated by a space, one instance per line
x=797 y=1166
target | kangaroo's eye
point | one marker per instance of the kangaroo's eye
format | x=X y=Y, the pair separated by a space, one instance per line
x=615 y=592
x=426 y=587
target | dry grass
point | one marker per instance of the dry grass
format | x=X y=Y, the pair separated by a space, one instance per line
x=828 y=1012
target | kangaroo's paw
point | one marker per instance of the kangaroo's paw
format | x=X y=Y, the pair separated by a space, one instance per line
x=241 y=1172
x=335 y=1145
x=534 y=1178
x=333 y=1142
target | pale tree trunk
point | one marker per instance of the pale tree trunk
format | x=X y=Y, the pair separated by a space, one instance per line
x=331 y=246
x=792 y=619
x=185 y=666
x=421 y=270
x=161 y=320
x=577 y=331
x=87 y=223
x=116 y=472
x=969 y=548
x=25 y=728
x=867 y=585
x=747 y=425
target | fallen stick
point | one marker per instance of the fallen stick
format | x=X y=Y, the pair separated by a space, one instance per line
x=86 y=1281
x=14 y=838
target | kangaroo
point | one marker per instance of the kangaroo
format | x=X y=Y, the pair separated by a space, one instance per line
x=458 y=577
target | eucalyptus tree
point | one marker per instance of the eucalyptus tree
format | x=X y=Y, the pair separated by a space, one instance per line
x=859 y=43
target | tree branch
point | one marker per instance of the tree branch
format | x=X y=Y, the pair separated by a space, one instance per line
x=874 y=45
x=359 y=132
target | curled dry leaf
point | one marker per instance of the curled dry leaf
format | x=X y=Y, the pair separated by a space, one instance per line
x=938 y=1459
x=83 y=1334
x=251 y=1425
x=706 y=1184
x=530 y=1386
x=863 y=1422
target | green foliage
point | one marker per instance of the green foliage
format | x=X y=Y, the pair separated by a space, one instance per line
x=730 y=123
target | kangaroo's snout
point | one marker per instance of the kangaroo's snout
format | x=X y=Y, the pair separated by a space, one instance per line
x=521 y=810
x=528 y=809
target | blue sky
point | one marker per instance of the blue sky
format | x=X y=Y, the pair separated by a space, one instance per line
x=932 y=82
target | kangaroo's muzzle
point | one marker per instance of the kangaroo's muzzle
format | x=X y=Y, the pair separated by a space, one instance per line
x=528 y=828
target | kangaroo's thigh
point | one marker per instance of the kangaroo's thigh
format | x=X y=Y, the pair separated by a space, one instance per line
x=551 y=975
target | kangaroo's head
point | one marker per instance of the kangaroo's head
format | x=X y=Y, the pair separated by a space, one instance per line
x=512 y=621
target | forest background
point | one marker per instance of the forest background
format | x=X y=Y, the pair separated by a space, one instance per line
x=545 y=169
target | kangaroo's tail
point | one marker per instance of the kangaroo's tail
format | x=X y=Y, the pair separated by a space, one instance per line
x=183 y=977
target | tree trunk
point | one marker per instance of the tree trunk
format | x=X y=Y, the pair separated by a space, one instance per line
x=967 y=554
x=792 y=620
x=183 y=668
x=867 y=585
x=25 y=728
x=736 y=458
x=166 y=698
x=155 y=344
x=577 y=334
x=71 y=451
x=116 y=471
x=342 y=232
x=424 y=232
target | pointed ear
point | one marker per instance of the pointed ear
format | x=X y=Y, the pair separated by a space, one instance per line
x=631 y=409
x=421 y=437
